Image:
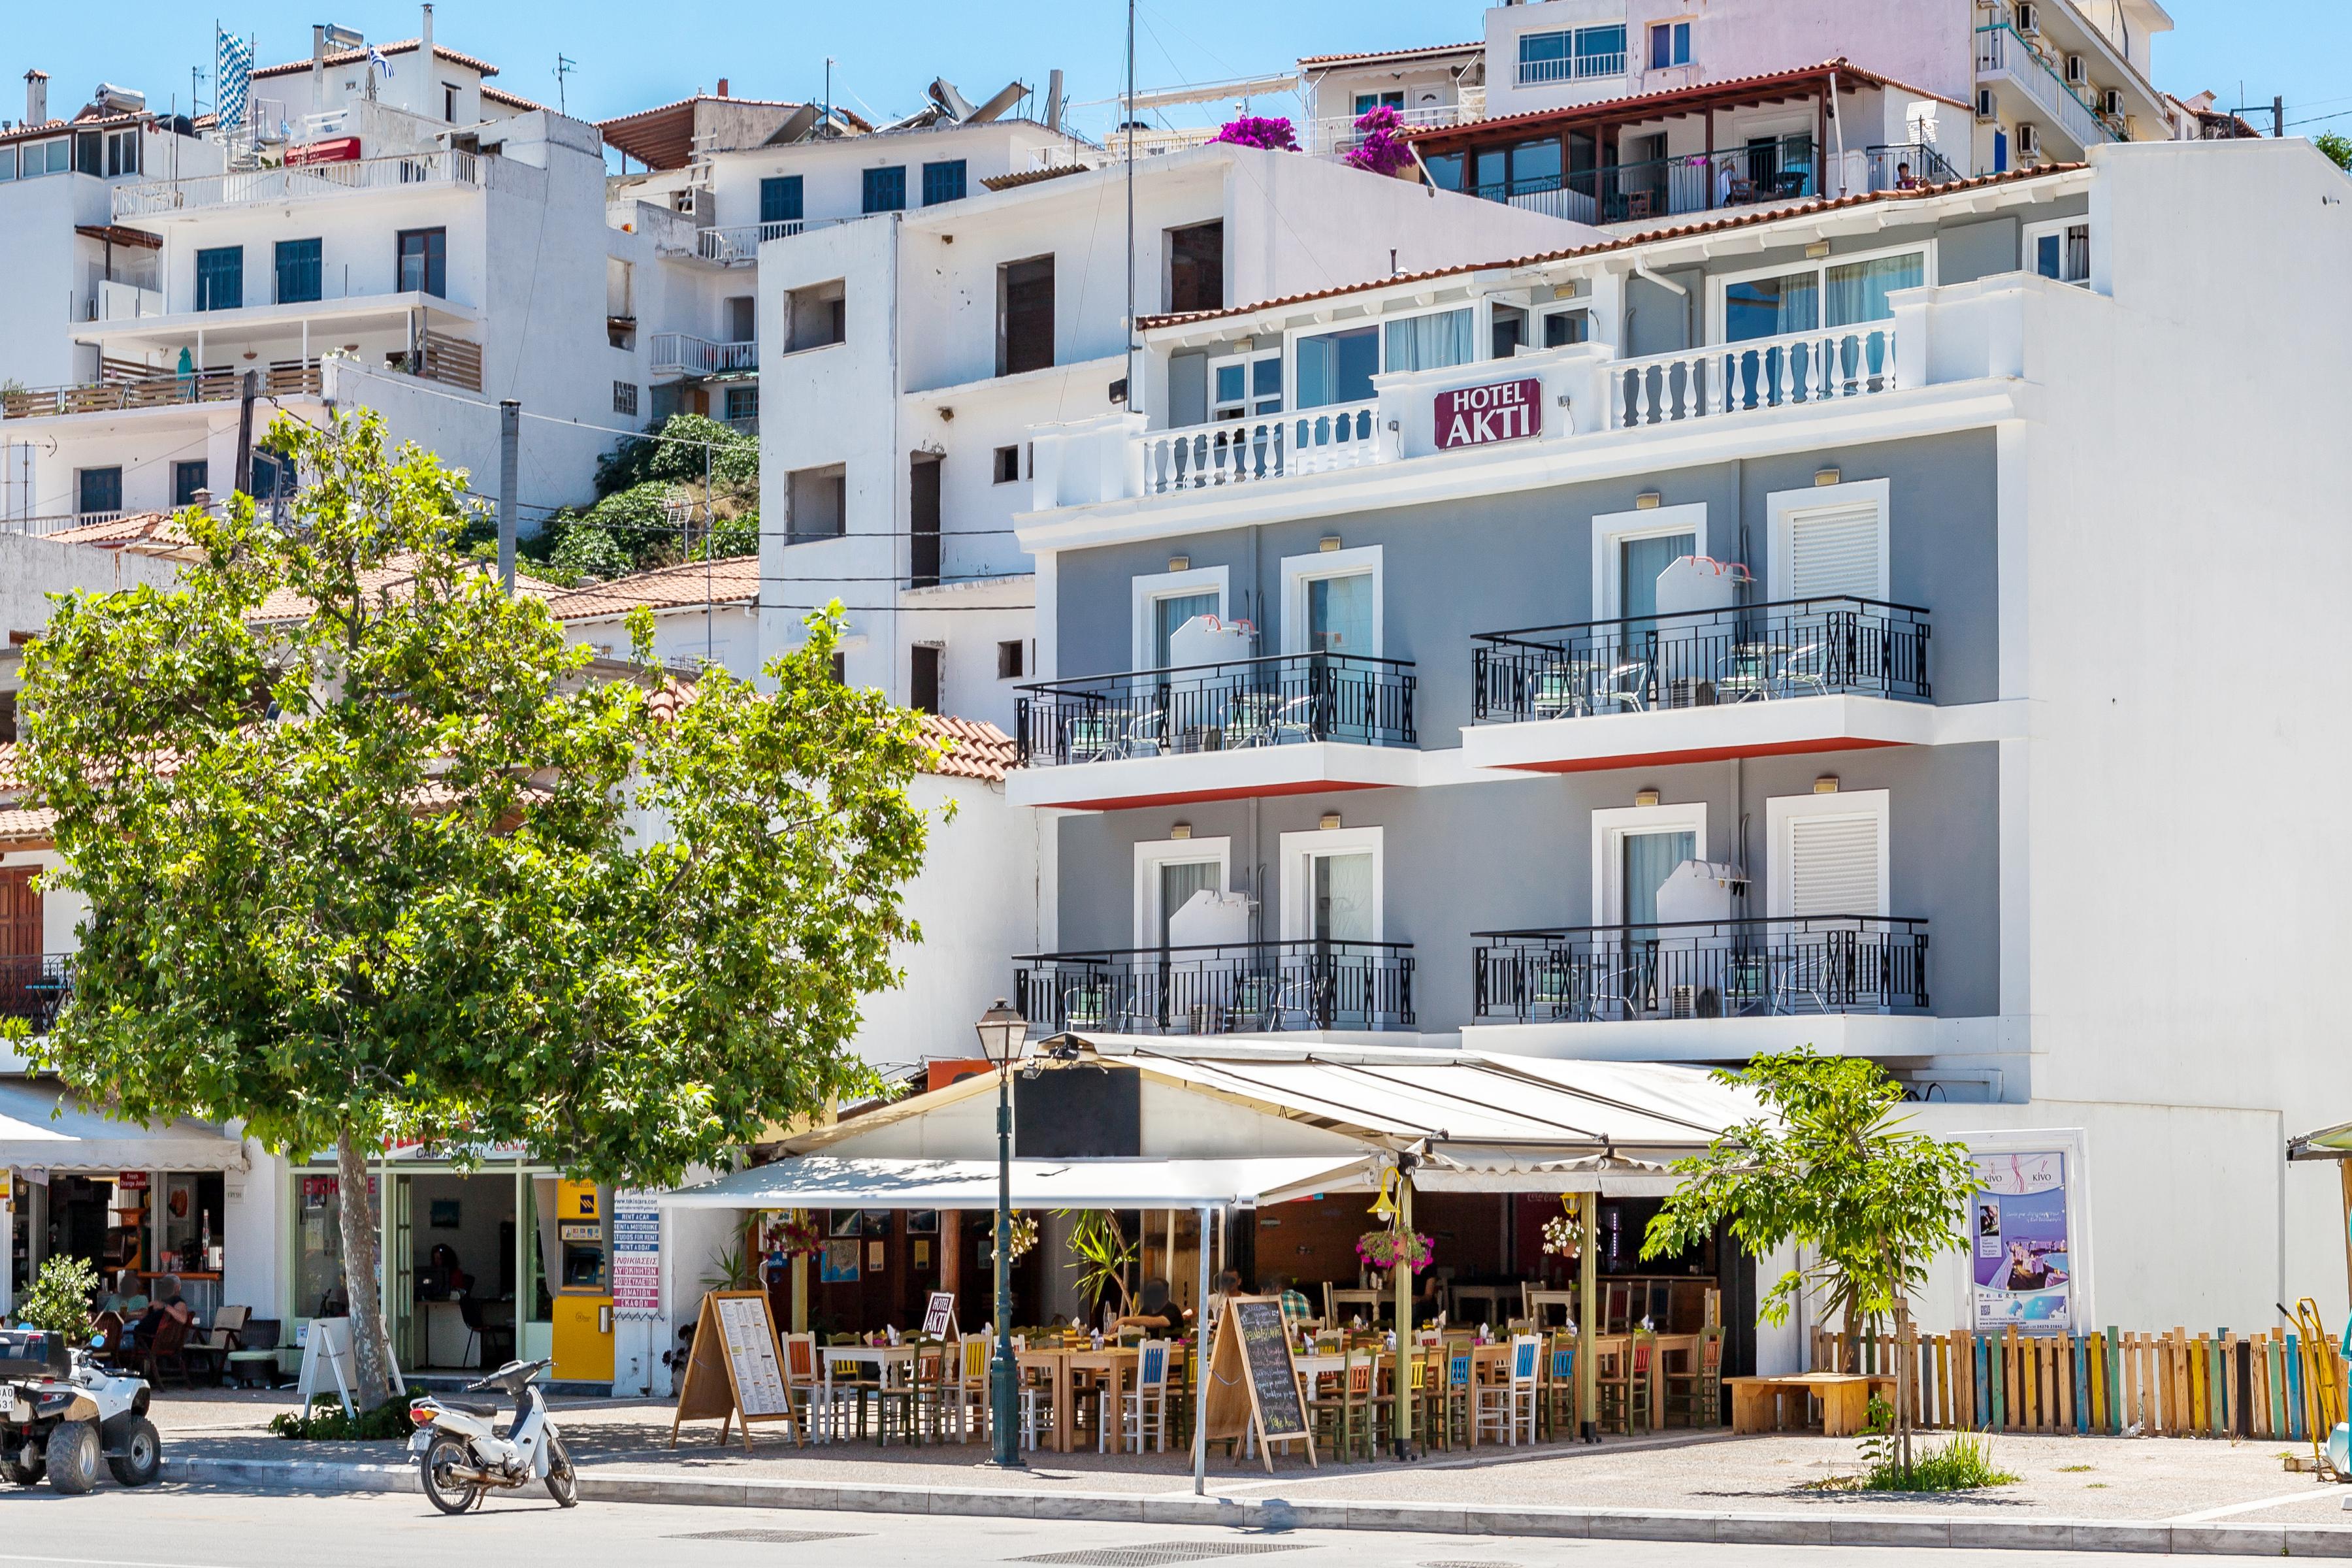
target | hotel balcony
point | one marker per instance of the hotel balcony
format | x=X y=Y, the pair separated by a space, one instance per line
x=682 y=354
x=1801 y=675
x=127 y=386
x=1263 y=987
x=1285 y=724
x=1706 y=990
x=446 y=168
x=2030 y=89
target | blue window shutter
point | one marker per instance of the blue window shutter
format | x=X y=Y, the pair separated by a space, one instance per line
x=944 y=182
x=780 y=199
x=886 y=189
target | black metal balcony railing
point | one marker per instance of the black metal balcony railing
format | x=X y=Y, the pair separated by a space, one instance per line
x=1703 y=969
x=33 y=987
x=1784 y=170
x=1907 y=166
x=1251 y=988
x=1283 y=699
x=1792 y=647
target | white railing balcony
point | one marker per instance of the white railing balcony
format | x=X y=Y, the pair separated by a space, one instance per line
x=56 y=522
x=2002 y=55
x=1817 y=367
x=1155 y=141
x=1338 y=134
x=1577 y=68
x=739 y=244
x=682 y=354
x=300 y=181
x=127 y=302
x=1272 y=446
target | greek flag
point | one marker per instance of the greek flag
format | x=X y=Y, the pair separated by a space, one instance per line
x=375 y=58
x=233 y=74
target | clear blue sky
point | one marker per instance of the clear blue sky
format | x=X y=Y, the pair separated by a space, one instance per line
x=634 y=55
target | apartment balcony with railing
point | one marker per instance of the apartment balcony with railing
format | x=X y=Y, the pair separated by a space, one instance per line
x=1335 y=135
x=444 y=167
x=1796 y=967
x=124 y=386
x=1260 y=988
x=2007 y=61
x=1799 y=675
x=1734 y=179
x=1275 y=725
x=683 y=353
x=738 y=244
x=33 y=987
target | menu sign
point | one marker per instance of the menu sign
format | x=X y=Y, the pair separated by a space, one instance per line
x=1251 y=1383
x=733 y=1373
x=636 y=1256
x=1477 y=416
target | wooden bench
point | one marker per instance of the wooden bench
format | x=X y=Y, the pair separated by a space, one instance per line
x=1760 y=1403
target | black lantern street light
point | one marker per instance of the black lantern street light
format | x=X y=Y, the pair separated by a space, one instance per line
x=1002 y=1030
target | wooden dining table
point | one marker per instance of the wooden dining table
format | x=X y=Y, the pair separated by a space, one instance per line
x=1115 y=1363
x=885 y=1360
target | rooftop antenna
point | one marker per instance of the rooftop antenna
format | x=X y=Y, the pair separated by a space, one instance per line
x=565 y=66
x=827 y=128
x=1130 y=130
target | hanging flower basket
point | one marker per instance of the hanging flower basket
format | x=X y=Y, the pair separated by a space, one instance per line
x=1563 y=1236
x=1388 y=1248
x=1021 y=1235
x=799 y=1237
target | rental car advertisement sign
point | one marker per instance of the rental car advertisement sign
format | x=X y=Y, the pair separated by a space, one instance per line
x=1477 y=416
x=2021 y=1272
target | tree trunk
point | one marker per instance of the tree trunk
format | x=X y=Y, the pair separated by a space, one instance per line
x=370 y=1351
x=1903 y=1350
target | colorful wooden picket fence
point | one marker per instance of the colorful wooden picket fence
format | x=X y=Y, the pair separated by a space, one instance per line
x=2177 y=1385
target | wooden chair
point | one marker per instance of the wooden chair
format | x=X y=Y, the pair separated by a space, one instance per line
x=1346 y=1416
x=920 y=1401
x=1142 y=1409
x=1624 y=1387
x=168 y=1350
x=1508 y=1407
x=806 y=1388
x=973 y=1352
x=1696 y=1392
x=1559 y=1398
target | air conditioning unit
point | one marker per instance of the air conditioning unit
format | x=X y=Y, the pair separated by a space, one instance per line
x=2078 y=72
x=2029 y=140
x=1988 y=106
x=2111 y=104
x=2029 y=19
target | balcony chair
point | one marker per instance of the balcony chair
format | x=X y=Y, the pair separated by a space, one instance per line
x=1800 y=668
x=1799 y=974
x=1558 y=691
x=1607 y=991
x=1141 y=738
x=1626 y=685
x=1264 y=719
x=1089 y=737
x=1748 y=678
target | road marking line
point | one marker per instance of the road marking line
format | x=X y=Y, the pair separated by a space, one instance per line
x=90 y=1561
x=2212 y=1513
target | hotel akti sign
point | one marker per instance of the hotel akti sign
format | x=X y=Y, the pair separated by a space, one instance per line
x=1475 y=415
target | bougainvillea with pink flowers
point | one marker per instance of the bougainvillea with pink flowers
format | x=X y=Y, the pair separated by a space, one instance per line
x=1382 y=150
x=1276 y=135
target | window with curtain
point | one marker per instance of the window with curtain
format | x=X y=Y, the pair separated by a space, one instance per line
x=1173 y=611
x=1339 y=614
x=1428 y=343
x=1767 y=307
x=1338 y=367
x=1639 y=561
x=1649 y=858
x=1342 y=897
x=1858 y=291
x=1179 y=881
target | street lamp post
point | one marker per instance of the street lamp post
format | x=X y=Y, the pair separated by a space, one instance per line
x=1002 y=1030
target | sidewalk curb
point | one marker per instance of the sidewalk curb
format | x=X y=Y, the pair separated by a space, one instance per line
x=1276 y=1514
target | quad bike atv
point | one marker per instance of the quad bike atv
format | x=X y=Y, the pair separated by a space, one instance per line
x=61 y=1412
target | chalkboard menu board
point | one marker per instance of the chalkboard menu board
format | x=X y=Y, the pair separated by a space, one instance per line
x=1274 y=1381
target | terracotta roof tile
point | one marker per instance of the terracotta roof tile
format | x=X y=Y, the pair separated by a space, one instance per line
x=129 y=530
x=353 y=57
x=1476 y=46
x=21 y=826
x=974 y=749
x=285 y=605
x=1013 y=181
x=1628 y=242
x=733 y=579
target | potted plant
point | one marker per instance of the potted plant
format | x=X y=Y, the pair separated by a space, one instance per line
x=1386 y=1249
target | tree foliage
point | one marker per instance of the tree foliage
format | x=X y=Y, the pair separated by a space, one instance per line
x=2336 y=147
x=676 y=456
x=1830 y=1167
x=59 y=1298
x=368 y=855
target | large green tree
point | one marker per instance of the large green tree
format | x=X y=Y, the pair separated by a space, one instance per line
x=370 y=853
x=1830 y=1166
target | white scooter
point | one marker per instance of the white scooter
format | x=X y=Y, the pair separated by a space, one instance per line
x=461 y=1457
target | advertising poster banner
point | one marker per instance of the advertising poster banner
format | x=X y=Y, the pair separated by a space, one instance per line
x=636 y=1256
x=2021 y=1273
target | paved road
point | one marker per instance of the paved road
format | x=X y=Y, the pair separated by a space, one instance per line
x=196 y=1529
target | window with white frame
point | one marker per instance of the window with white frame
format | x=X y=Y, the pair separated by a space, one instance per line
x=1634 y=850
x=2060 y=249
x=1431 y=341
x=1337 y=367
x=1562 y=328
x=1670 y=44
x=1331 y=602
x=1631 y=548
x=1167 y=872
x=1829 y=541
x=1572 y=54
x=1164 y=601
x=1828 y=853
x=1243 y=386
x=1331 y=885
x=1841 y=292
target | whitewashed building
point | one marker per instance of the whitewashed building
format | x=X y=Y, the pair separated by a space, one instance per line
x=1845 y=634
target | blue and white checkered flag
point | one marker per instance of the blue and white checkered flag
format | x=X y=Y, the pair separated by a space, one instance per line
x=233 y=74
x=375 y=58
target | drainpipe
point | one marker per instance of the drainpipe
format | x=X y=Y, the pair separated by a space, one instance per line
x=1837 y=131
x=1642 y=271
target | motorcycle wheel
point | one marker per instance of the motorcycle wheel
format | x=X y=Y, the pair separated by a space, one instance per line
x=141 y=1460
x=562 y=1484
x=443 y=1490
x=73 y=1456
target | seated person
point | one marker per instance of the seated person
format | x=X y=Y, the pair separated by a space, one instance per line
x=454 y=1277
x=1154 y=1313
x=128 y=1299
x=1427 y=1299
x=167 y=1304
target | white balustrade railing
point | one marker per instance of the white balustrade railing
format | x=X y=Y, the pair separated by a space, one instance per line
x=682 y=353
x=1762 y=373
x=1243 y=451
x=299 y=182
x=2001 y=52
x=1337 y=133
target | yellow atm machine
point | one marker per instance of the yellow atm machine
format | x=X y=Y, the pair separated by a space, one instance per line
x=583 y=1292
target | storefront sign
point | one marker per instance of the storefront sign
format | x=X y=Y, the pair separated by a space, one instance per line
x=1476 y=415
x=2023 y=1273
x=636 y=1256
x=131 y=1181
x=338 y=150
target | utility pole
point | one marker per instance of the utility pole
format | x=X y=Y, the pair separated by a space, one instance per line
x=2278 y=116
x=1127 y=374
x=509 y=450
x=245 y=432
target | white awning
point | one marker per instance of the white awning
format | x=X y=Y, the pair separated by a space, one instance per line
x=826 y=1181
x=44 y=1125
x=1483 y=1168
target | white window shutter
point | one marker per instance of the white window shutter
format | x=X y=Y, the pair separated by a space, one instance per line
x=1835 y=552
x=1833 y=865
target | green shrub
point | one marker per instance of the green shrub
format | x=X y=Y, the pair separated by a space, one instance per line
x=677 y=460
x=326 y=1423
x=738 y=535
x=59 y=1300
x=1963 y=1464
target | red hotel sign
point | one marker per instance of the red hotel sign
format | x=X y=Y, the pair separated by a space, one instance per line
x=1473 y=415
